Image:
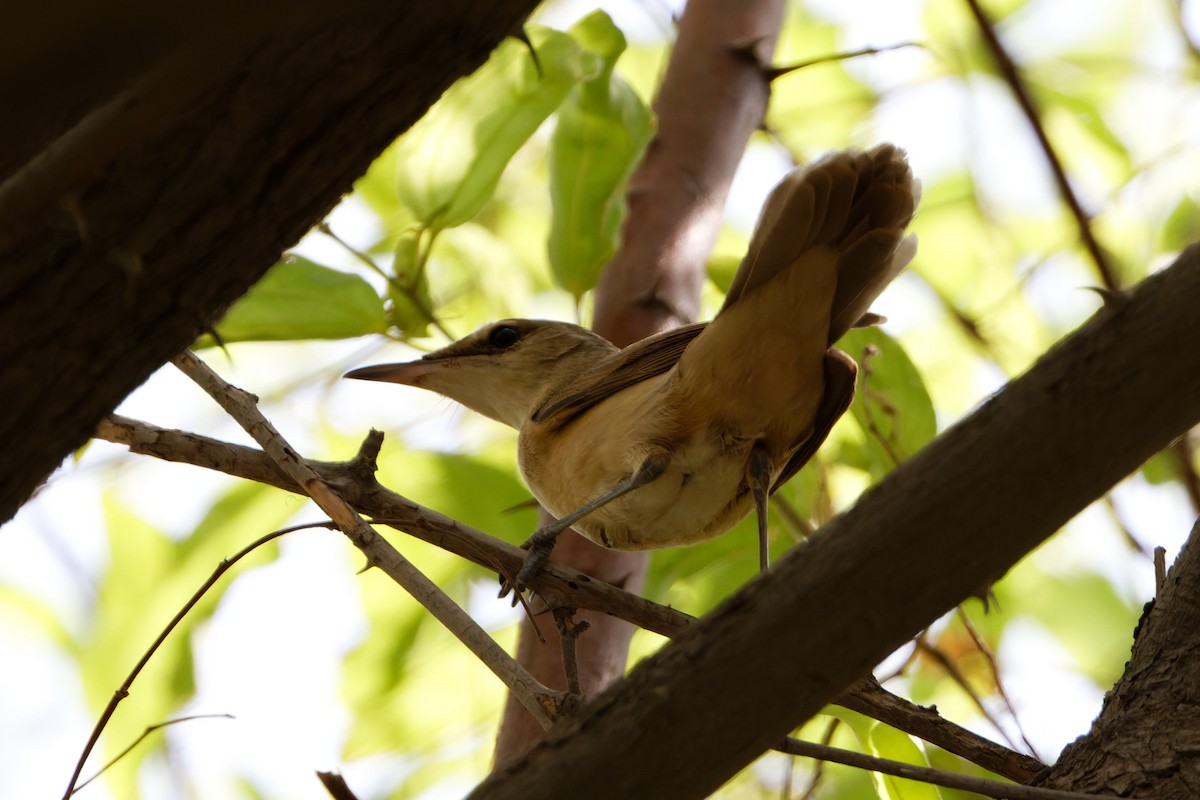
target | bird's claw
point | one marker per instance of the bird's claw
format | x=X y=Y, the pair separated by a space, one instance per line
x=539 y=546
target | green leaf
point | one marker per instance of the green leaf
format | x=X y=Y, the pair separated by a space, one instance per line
x=1183 y=226
x=891 y=404
x=603 y=127
x=722 y=270
x=887 y=742
x=298 y=299
x=883 y=741
x=448 y=164
x=1162 y=468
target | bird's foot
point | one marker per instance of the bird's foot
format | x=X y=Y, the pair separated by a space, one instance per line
x=539 y=545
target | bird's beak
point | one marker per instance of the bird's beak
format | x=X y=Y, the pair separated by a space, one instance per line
x=410 y=373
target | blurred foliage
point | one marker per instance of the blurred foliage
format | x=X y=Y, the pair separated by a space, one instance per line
x=506 y=201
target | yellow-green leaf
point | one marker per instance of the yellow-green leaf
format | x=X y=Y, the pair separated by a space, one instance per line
x=891 y=404
x=603 y=126
x=448 y=164
x=298 y=299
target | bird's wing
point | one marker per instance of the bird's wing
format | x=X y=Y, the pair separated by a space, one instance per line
x=651 y=356
x=841 y=374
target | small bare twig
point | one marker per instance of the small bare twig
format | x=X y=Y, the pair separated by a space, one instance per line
x=123 y=691
x=541 y=702
x=960 y=679
x=819 y=771
x=951 y=780
x=568 y=633
x=869 y=396
x=773 y=73
x=800 y=527
x=1160 y=569
x=994 y=667
x=336 y=785
x=149 y=730
x=1012 y=76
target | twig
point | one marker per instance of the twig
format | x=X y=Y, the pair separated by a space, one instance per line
x=1160 y=569
x=1012 y=76
x=959 y=678
x=819 y=770
x=773 y=73
x=951 y=780
x=568 y=634
x=555 y=584
x=994 y=667
x=1184 y=455
x=392 y=280
x=336 y=785
x=869 y=396
x=123 y=691
x=149 y=730
x=541 y=702
x=800 y=527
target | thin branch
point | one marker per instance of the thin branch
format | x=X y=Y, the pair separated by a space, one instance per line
x=336 y=785
x=123 y=691
x=146 y=733
x=957 y=676
x=951 y=780
x=1012 y=76
x=555 y=584
x=568 y=632
x=1185 y=460
x=819 y=771
x=994 y=667
x=774 y=73
x=541 y=702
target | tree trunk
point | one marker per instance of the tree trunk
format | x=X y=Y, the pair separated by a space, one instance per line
x=1146 y=741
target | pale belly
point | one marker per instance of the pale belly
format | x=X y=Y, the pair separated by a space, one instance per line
x=701 y=494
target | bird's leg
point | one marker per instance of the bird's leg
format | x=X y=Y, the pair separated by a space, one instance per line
x=542 y=541
x=758 y=473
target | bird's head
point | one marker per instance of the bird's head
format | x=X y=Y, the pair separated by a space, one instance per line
x=502 y=369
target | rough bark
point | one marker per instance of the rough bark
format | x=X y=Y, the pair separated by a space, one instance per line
x=954 y=518
x=158 y=184
x=713 y=97
x=1146 y=741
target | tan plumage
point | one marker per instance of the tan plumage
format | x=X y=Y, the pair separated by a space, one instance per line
x=676 y=434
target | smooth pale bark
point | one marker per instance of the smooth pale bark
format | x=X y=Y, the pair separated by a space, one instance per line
x=713 y=97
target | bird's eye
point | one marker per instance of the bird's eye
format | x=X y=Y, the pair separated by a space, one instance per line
x=504 y=337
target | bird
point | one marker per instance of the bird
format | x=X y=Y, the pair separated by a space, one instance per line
x=678 y=437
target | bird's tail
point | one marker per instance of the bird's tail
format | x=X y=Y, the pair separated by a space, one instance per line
x=856 y=203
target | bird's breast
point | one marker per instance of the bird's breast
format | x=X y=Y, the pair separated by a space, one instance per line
x=701 y=494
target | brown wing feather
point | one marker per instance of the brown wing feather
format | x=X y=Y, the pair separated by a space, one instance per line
x=651 y=356
x=841 y=374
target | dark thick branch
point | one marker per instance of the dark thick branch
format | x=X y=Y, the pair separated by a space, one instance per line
x=949 y=521
x=158 y=192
